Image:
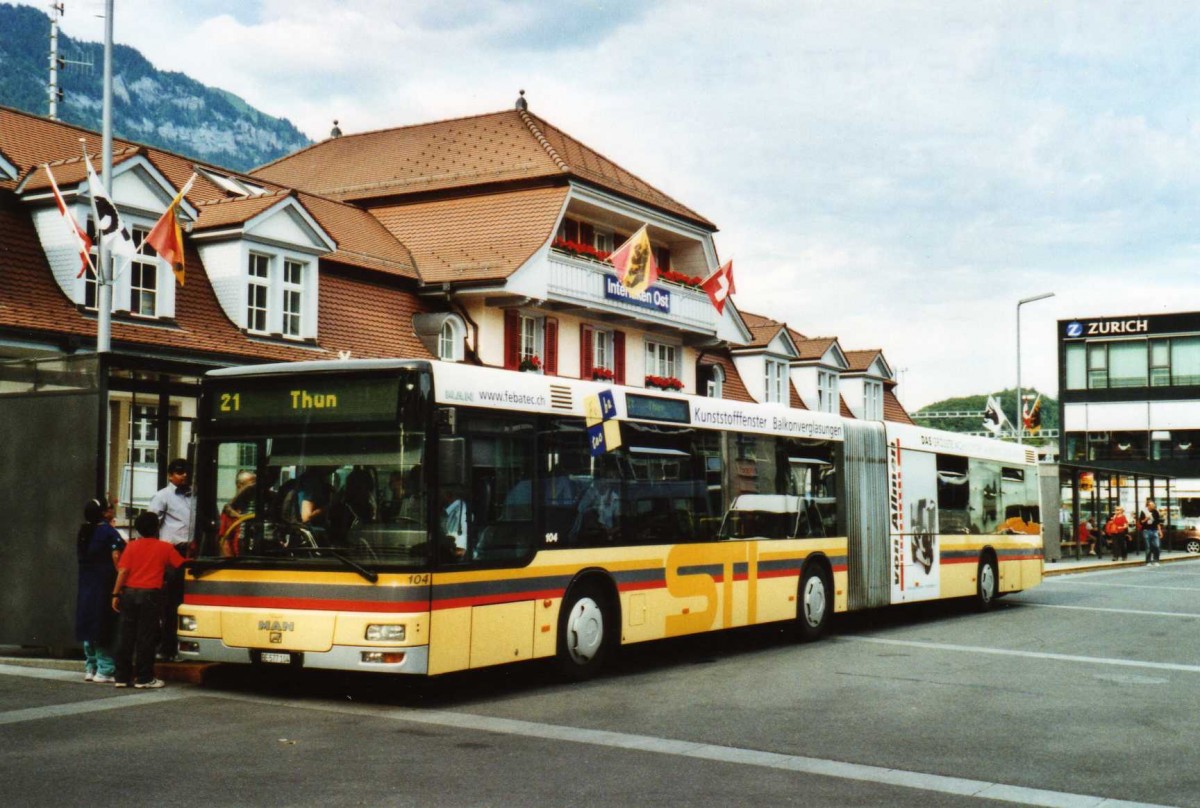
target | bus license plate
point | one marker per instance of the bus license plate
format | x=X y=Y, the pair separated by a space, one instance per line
x=276 y=658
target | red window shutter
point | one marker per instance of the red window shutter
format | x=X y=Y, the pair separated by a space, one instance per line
x=550 y=367
x=587 y=234
x=585 y=351
x=619 y=357
x=570 y=230
x=512 y=339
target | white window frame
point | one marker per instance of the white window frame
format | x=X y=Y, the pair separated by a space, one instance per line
x=872 y=400
x=602 y=239
x=603 y=350
x=281 y=302
x=827 y=391
x=450 y=340
x=292 y=299
x=258 y=293
x=531 y=333
x=662 y=359
x=715 y=385
x=775 y=371
x=147 y=262
x=123 y=289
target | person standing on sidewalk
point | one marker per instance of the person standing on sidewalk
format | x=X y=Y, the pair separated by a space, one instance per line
x=1151 y=523
x=98 y=546
x=138 y=597
x=1117 y=530
x=172 y=504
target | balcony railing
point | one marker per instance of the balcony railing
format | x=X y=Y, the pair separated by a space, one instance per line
x=591 y=284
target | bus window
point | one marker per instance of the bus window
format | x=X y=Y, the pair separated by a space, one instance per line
x=954 y=494
x=288 y=497
x=987 y=503
x=491 y=519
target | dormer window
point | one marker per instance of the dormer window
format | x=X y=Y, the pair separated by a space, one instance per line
x=275 y=295
x=873 y=400
x=776 y=371
x=827 y=391
x=139 y=287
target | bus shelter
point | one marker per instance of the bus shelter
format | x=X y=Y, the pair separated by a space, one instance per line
x=1087 y=496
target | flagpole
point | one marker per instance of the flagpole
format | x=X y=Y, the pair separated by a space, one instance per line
x=103 y=273
x=1020 y=409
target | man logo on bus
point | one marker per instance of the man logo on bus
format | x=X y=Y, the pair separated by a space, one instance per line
x=1074 y=330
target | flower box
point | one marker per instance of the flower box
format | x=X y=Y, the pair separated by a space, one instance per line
x=664 y=383
x=602 y=375
x=530 y=364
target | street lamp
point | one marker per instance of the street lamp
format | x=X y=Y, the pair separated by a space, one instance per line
x=1020 y=411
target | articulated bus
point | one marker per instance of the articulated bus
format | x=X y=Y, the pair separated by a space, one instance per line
x=423 y=517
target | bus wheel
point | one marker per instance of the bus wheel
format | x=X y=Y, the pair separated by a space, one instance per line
x=584 y=632
x=988 y=582
x=815 y=608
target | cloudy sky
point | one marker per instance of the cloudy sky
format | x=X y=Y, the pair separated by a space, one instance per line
x=897 y=174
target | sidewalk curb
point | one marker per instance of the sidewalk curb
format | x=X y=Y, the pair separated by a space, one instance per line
x=192 y=673
x=1050 y=570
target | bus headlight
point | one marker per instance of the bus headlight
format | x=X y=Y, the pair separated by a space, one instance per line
x=385 y=633
x=187 y=622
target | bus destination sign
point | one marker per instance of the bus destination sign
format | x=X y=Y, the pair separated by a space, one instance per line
x=309 y=400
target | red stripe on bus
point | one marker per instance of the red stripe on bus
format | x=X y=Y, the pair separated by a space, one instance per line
x=305 y=604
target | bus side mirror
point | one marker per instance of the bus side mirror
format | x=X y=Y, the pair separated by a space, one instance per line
x=452 y=461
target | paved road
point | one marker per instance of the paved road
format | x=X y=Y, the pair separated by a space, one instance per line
x=1083 y=691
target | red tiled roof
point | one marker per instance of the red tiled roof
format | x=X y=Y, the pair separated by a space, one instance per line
x=844 y=408
x=474 y=238
x=860 y=361
x=734 y=388
x=814 y=347
x=33 y=305
x=31 y=141
x=457 y=154
x=893 y=410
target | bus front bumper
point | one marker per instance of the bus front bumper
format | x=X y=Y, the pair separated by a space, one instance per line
x=404 y=659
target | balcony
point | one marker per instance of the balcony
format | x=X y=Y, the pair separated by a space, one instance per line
x=574 y=282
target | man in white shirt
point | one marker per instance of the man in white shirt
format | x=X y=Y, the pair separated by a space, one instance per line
x=173 y=505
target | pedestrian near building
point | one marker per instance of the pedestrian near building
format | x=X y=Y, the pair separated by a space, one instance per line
x=98 y=546
x=172 y=504
x=138 y=597
x=1117 y=530
x=1150 y=520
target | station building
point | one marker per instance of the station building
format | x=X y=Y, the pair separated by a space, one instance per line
x=1130 y=413
x=478 y=240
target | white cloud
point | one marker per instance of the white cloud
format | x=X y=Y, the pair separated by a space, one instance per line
x=898 y=174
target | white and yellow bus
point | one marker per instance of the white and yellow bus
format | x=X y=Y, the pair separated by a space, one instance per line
x=422 y=517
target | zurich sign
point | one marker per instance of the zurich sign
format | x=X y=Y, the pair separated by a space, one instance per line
x=1074 y=329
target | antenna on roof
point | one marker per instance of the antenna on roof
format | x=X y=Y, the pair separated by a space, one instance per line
x=522 y=104
x=335 y=131
x=53 y=90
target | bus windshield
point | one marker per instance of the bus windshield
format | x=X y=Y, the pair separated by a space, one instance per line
x=355 y=498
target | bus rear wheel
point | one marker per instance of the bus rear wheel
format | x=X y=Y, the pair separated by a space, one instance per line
x=584 y=632
x=987 y=584
x=815 y=607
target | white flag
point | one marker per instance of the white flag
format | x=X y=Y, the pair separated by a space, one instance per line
x=113 y=234
x=993 y=416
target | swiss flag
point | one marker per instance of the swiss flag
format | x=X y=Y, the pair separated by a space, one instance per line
x=719 y=286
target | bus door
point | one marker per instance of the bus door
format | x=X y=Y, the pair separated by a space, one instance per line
x=484 y=608
x=915 y=546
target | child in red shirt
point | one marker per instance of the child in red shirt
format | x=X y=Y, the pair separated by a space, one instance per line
x=138 y=596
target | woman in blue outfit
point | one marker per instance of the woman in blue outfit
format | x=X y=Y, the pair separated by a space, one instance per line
x=98 y=546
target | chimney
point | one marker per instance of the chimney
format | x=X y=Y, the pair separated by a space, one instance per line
x=522 y=104
x=335 y=131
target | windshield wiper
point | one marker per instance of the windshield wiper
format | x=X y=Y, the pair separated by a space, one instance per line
x=370 y=575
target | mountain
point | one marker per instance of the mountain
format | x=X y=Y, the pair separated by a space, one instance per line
x=156 y=107
x=976 y=404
